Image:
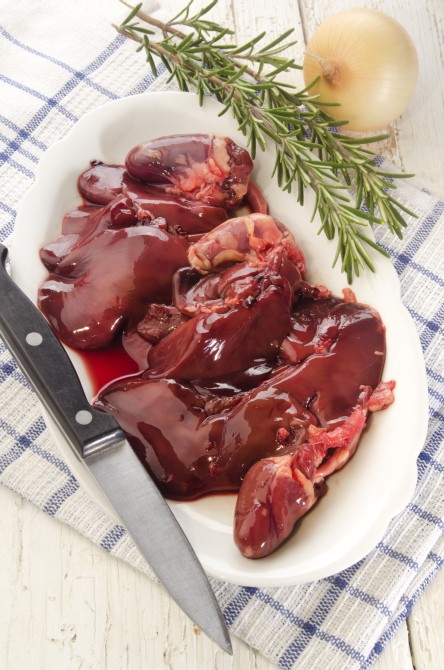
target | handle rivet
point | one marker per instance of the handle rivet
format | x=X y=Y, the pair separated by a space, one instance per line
x=34 y=339
x=84 y=417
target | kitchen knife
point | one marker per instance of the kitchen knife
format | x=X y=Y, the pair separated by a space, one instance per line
x=97 y=438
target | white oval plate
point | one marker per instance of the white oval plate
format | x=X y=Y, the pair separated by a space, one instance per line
x=380 y=479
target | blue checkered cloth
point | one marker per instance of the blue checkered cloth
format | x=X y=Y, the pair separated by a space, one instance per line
x=54 y=67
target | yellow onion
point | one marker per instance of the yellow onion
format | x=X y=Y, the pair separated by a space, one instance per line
x=366 y=62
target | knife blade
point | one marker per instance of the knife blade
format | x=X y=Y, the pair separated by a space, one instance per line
x=98 y=439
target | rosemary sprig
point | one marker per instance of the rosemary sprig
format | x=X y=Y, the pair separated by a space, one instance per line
x=310 y=152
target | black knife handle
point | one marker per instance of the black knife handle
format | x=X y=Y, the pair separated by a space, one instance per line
x=49 y=369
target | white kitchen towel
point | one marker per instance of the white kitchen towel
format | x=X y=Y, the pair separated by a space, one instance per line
x=55 y=65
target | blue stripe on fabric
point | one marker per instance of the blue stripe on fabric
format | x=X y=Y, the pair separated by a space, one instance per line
x=426 y=516
x=308 y=629
x=426 y=226
x=51 y=102
x=318 y=616
x=29 y=49
x=436 y=376
x=431 y=462
x=421 y=269
x=435 y=558
x=27 y=441
x=7 y=369
x=430 y=324
x=377 y=160
x=26 y=135
x=34 y=429
x=11 y=369
x=433 y=393
x=408 y=261
x=238 y=603
x=391 y=630
x=404 y=258
x=17 y=166
x=430 y=328
x=79 y=74
x=426 y=456
x=27 y=154
x=365 y=597
x=147 y=81
x=398 y=556
x=6 y=230
x=56 y=500
x=66 y=88
x=435 y=431
x=6 y=208
x=439 y=416
x=112 y=537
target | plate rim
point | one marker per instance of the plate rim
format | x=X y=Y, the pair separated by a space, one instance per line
x=422 y=423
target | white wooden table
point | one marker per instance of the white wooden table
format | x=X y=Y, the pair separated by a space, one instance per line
x=68 y=605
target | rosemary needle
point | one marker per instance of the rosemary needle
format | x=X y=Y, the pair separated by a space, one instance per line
x=310 y=152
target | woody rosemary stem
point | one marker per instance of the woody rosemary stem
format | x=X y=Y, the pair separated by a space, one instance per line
x=310 y=152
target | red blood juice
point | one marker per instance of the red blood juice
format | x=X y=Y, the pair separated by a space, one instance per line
x=104 y=365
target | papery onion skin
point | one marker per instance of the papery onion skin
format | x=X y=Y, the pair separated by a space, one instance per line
x=366 y=62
